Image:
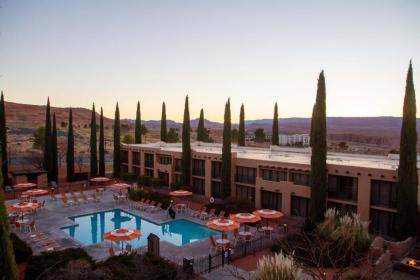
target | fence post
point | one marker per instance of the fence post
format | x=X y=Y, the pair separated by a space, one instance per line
x=223 y=257
x=229 y=252
x=209 y=262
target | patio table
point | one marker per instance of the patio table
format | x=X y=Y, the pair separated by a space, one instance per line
x=181 y=207
x=267 y=230
x=245 y=234
x=223 y=243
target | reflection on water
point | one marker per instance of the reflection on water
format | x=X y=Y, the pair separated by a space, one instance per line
x=177 y=232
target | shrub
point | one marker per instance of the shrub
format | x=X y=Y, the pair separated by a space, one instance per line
x=357 y=276
x=232 y=205
x=144 y=180
x=155 y=182
x=48 y=262
x=79 y=269
x=136 y=195
x=22 y=250
x=128 y=177
x=276 y=267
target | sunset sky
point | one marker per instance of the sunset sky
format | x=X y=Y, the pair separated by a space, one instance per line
x=255 y=52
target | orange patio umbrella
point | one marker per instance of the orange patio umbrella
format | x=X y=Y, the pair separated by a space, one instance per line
x=35 y=192
x=123 y=234
x=120 y=186
x=268 y=214
x=100 y=179
x=180 y=193
x=223 y=224
x=23 y=207
x=24 y=186
x=245 y=218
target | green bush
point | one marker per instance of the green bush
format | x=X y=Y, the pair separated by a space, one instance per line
x=232 y=206
x=128 y=177
x=136 y=195
x=144 y=180
x=48 y=262
x=155 y=182
x=22 y=250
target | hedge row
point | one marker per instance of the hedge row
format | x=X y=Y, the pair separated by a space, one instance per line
x=136 y=195
x=142 y=180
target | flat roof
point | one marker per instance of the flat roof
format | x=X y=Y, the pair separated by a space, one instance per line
x=283 y=154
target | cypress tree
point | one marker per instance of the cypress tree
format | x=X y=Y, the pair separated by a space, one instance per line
x=163 y=130
x=241 y=132
x=101 y=145
x=8 y=269
x=275 y=131
x=117 y=144
x=186 y=147
x=54 y=163
x=70 y=149
x=47 y=141
x=201 y=130
x=3 y=142
x=407 y=171
x=137 y=134
x=318 y=174
x=93 y=145
x=226 y=153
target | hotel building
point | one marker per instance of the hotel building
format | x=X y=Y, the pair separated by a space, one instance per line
x=278 y=178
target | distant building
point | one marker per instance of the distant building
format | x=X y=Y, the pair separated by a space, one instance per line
x=294 y=139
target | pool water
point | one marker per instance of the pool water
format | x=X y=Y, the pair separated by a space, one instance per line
x=90 y=228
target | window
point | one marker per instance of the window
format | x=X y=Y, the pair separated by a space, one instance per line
x=216 y=169
x=124 y=156
x=343 y=208
x=198 y=168
x=245 y=193
x=178 y=163
x=177 y=178
x=148 y=172
x=300 y=178
x=271 y=200
x=165 y=160
x=216 y=189
x=198 y=185
x=136 y=170
x=300 y=206
x=164 y=179
x=383 y=193
x=148 y=160
x=274 y=175
x=124 y=168
x=136 y=158
x=383 y=222
x=342 y=187
x=246 y=175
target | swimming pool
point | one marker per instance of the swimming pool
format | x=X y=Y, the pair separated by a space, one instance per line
x=90 y=228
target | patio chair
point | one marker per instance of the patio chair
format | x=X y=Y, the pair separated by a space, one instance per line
x=31 y=227
x=222 y=214
x=83 y=196
x=115 y=198
x=95 y=198
x=156 y=208
x=52 y=196
x=65 y=201
x=111 y=251
x=197 y=213
x=75 y=199
x=128 y=248
x=214 y=245
x=150 y=205
x=145 y=204
x=209 y=215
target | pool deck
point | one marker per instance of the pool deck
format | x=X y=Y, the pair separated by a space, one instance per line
x=54 y=216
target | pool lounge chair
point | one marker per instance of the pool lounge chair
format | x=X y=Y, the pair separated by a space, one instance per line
x=52 y=196
x=95 y=198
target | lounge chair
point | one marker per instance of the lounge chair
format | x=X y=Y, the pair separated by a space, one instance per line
x=156 y=208
x=150 y=205
x=95 y=198
x=65 y=201
x=75 y=199
x=145 y=204
x=52 y=195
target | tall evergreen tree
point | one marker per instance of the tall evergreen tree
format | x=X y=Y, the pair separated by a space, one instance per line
x=70 y=149
x=137 y=134
x=318 y=174
x=407 y=171
x=54 y=162
x=226 y=153
x=101 y=145
x=163 y=129
x=201 y=130
x=8 y=269
x=3 y=142
x=275 y=131
x=93 y=145
x=117 y=144
x=241 y=132
x=186 y=147
x=47 y=142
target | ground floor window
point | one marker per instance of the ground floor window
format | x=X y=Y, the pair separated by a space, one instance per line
x=343 y=208
x=124 y=168
x=177 y=178
x=148 y=172
x=164 y=179
x=383 y=222
x=300 y=206
x=245 y=193
x=136 y=170
x=216 y=189
x=271 y=200
x=198 y=185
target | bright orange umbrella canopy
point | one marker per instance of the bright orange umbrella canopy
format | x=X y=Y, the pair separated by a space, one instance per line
x=35 y=192
x=100 y=179
x=123 y=234
x=24 y=185
x=22 y=207
x=245 y=218
x=180 y=193
x=120 y=186
x=268 y=214
x=223 y=224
